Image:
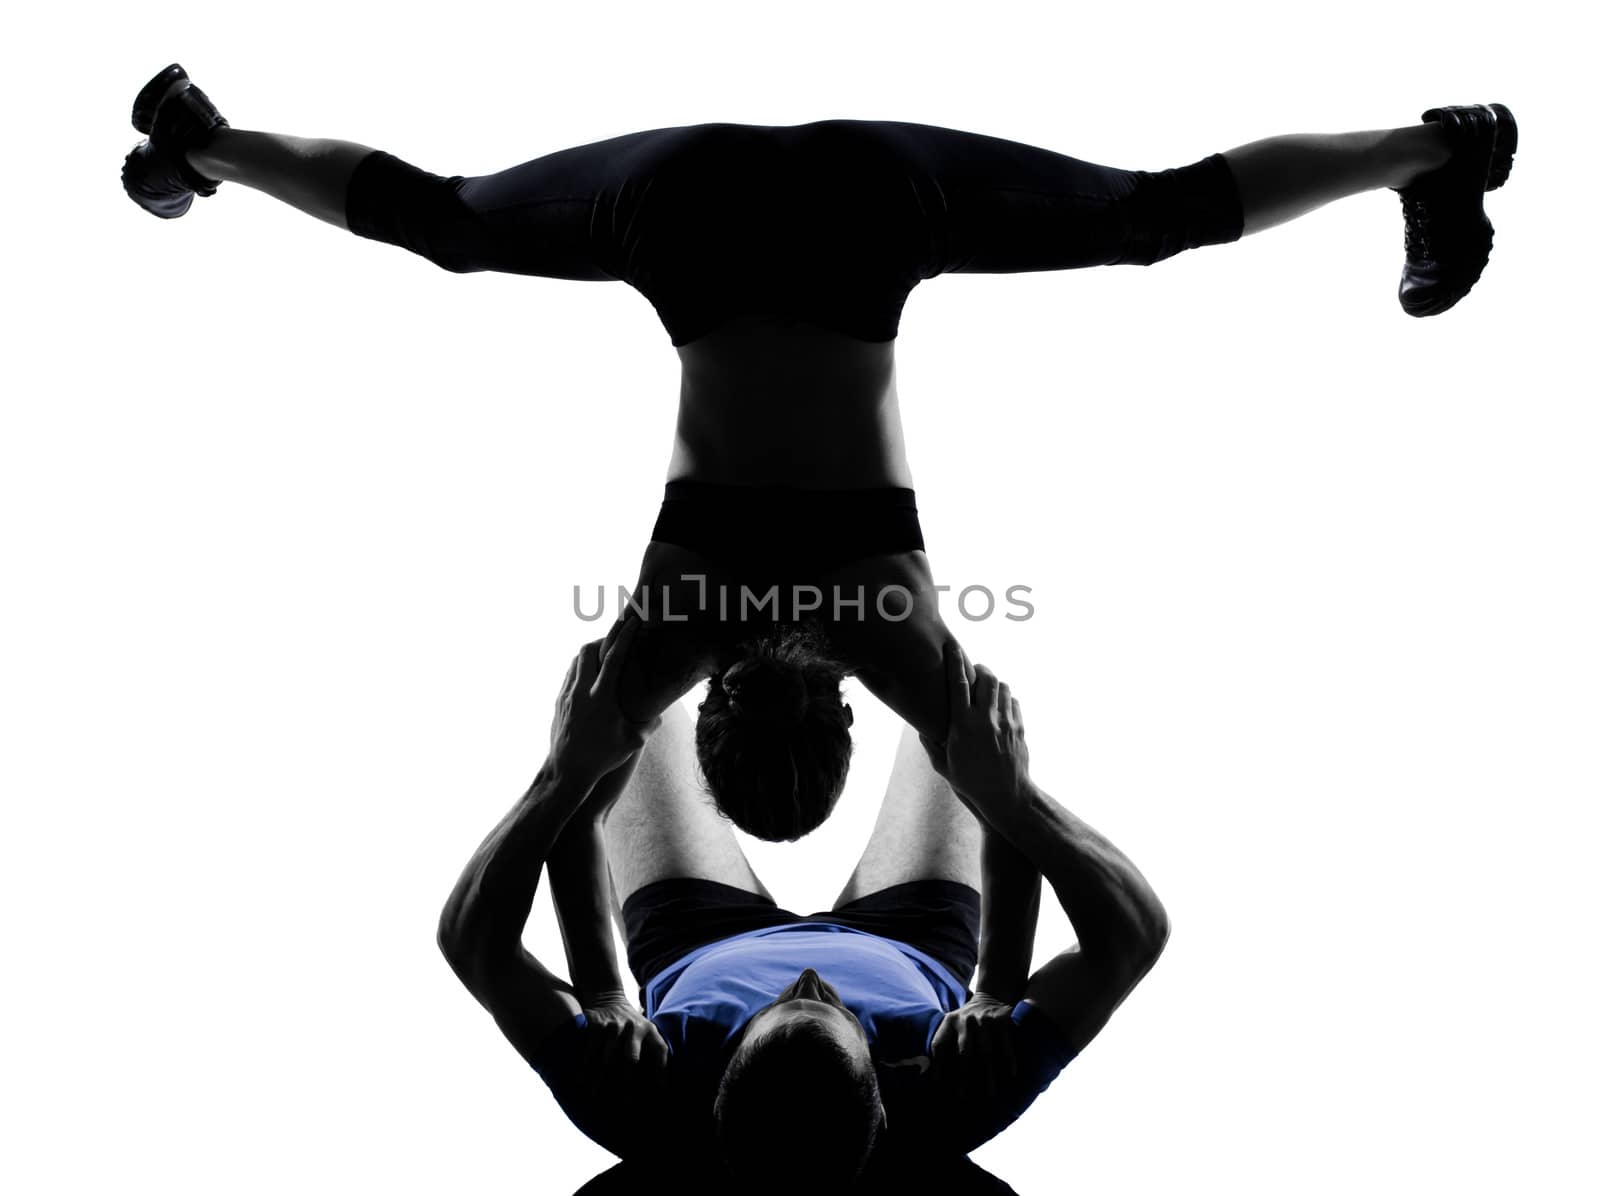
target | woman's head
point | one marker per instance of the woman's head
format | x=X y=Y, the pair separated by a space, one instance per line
x=798 y=1108
x=774 y=736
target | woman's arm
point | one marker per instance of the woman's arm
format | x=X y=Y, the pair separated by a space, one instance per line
x=682 y=630
x=894 y=640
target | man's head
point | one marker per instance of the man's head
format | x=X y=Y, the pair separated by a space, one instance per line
x=799 y=1108
x=774 y=736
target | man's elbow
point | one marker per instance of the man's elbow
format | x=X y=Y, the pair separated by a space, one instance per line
x=455 y=941
x=1157 y=928
x=1152 y=930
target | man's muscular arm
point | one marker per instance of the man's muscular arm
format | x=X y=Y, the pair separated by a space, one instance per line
x=1120 y=923
x=1011 y=891
x=973 y=1043
x=580 y=887
x=480 y=929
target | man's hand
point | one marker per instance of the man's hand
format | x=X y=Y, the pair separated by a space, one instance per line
x=624 y=1049
x=589 y=735
x=613 y=1085
x=984 y=757
x=972 y=1051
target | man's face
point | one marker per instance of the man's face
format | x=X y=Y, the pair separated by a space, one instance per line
x=806 y=1015
x=811 y=998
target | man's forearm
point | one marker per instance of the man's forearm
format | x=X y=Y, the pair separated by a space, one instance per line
x=1108 y=900
x=489 y=907
x=580 y=887
x=1010 y=916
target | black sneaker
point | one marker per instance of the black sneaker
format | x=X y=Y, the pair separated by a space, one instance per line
x=1448 y=237
x=178 y=117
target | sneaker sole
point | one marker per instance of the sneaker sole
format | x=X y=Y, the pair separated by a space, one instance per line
x=167 y=207
x=1502 y=150
x=153 y=93
x=1505 y=146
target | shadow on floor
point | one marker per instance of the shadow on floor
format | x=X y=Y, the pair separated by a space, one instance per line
x=948 y=1177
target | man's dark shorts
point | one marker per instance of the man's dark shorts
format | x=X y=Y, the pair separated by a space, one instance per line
x=667 y=919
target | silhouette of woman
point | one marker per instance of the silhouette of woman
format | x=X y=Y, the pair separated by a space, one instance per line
x=787 y=552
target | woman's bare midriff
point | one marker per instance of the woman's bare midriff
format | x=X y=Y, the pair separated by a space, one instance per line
x=768 y=401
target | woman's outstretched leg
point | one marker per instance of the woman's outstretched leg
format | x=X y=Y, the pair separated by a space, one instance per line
x=537 y=218
x=1440 y=168
x=1281 y=178
x=191 y=149
x=308 y=173
x=532 y=219
x=1002 y=207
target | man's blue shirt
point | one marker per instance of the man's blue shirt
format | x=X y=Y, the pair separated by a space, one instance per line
x=899 y=994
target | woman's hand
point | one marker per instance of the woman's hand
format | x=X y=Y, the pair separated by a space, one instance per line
x=589 y=737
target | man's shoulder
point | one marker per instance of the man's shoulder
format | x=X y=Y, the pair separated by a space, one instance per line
x=635 y=1119
x=928 y=1113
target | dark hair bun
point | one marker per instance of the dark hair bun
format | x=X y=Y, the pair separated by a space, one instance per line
x=766 y=690
x=773 y=737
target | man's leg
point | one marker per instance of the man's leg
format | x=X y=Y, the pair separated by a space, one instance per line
x=679 y=879
x=666 y=827
x=923 y=831
x=920 y=879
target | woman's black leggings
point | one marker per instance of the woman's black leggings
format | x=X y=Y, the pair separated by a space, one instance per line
x=832 y=223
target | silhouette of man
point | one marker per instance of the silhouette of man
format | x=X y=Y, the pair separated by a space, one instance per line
x=779 y=1052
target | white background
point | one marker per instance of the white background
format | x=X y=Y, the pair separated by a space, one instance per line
x=291 y=521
